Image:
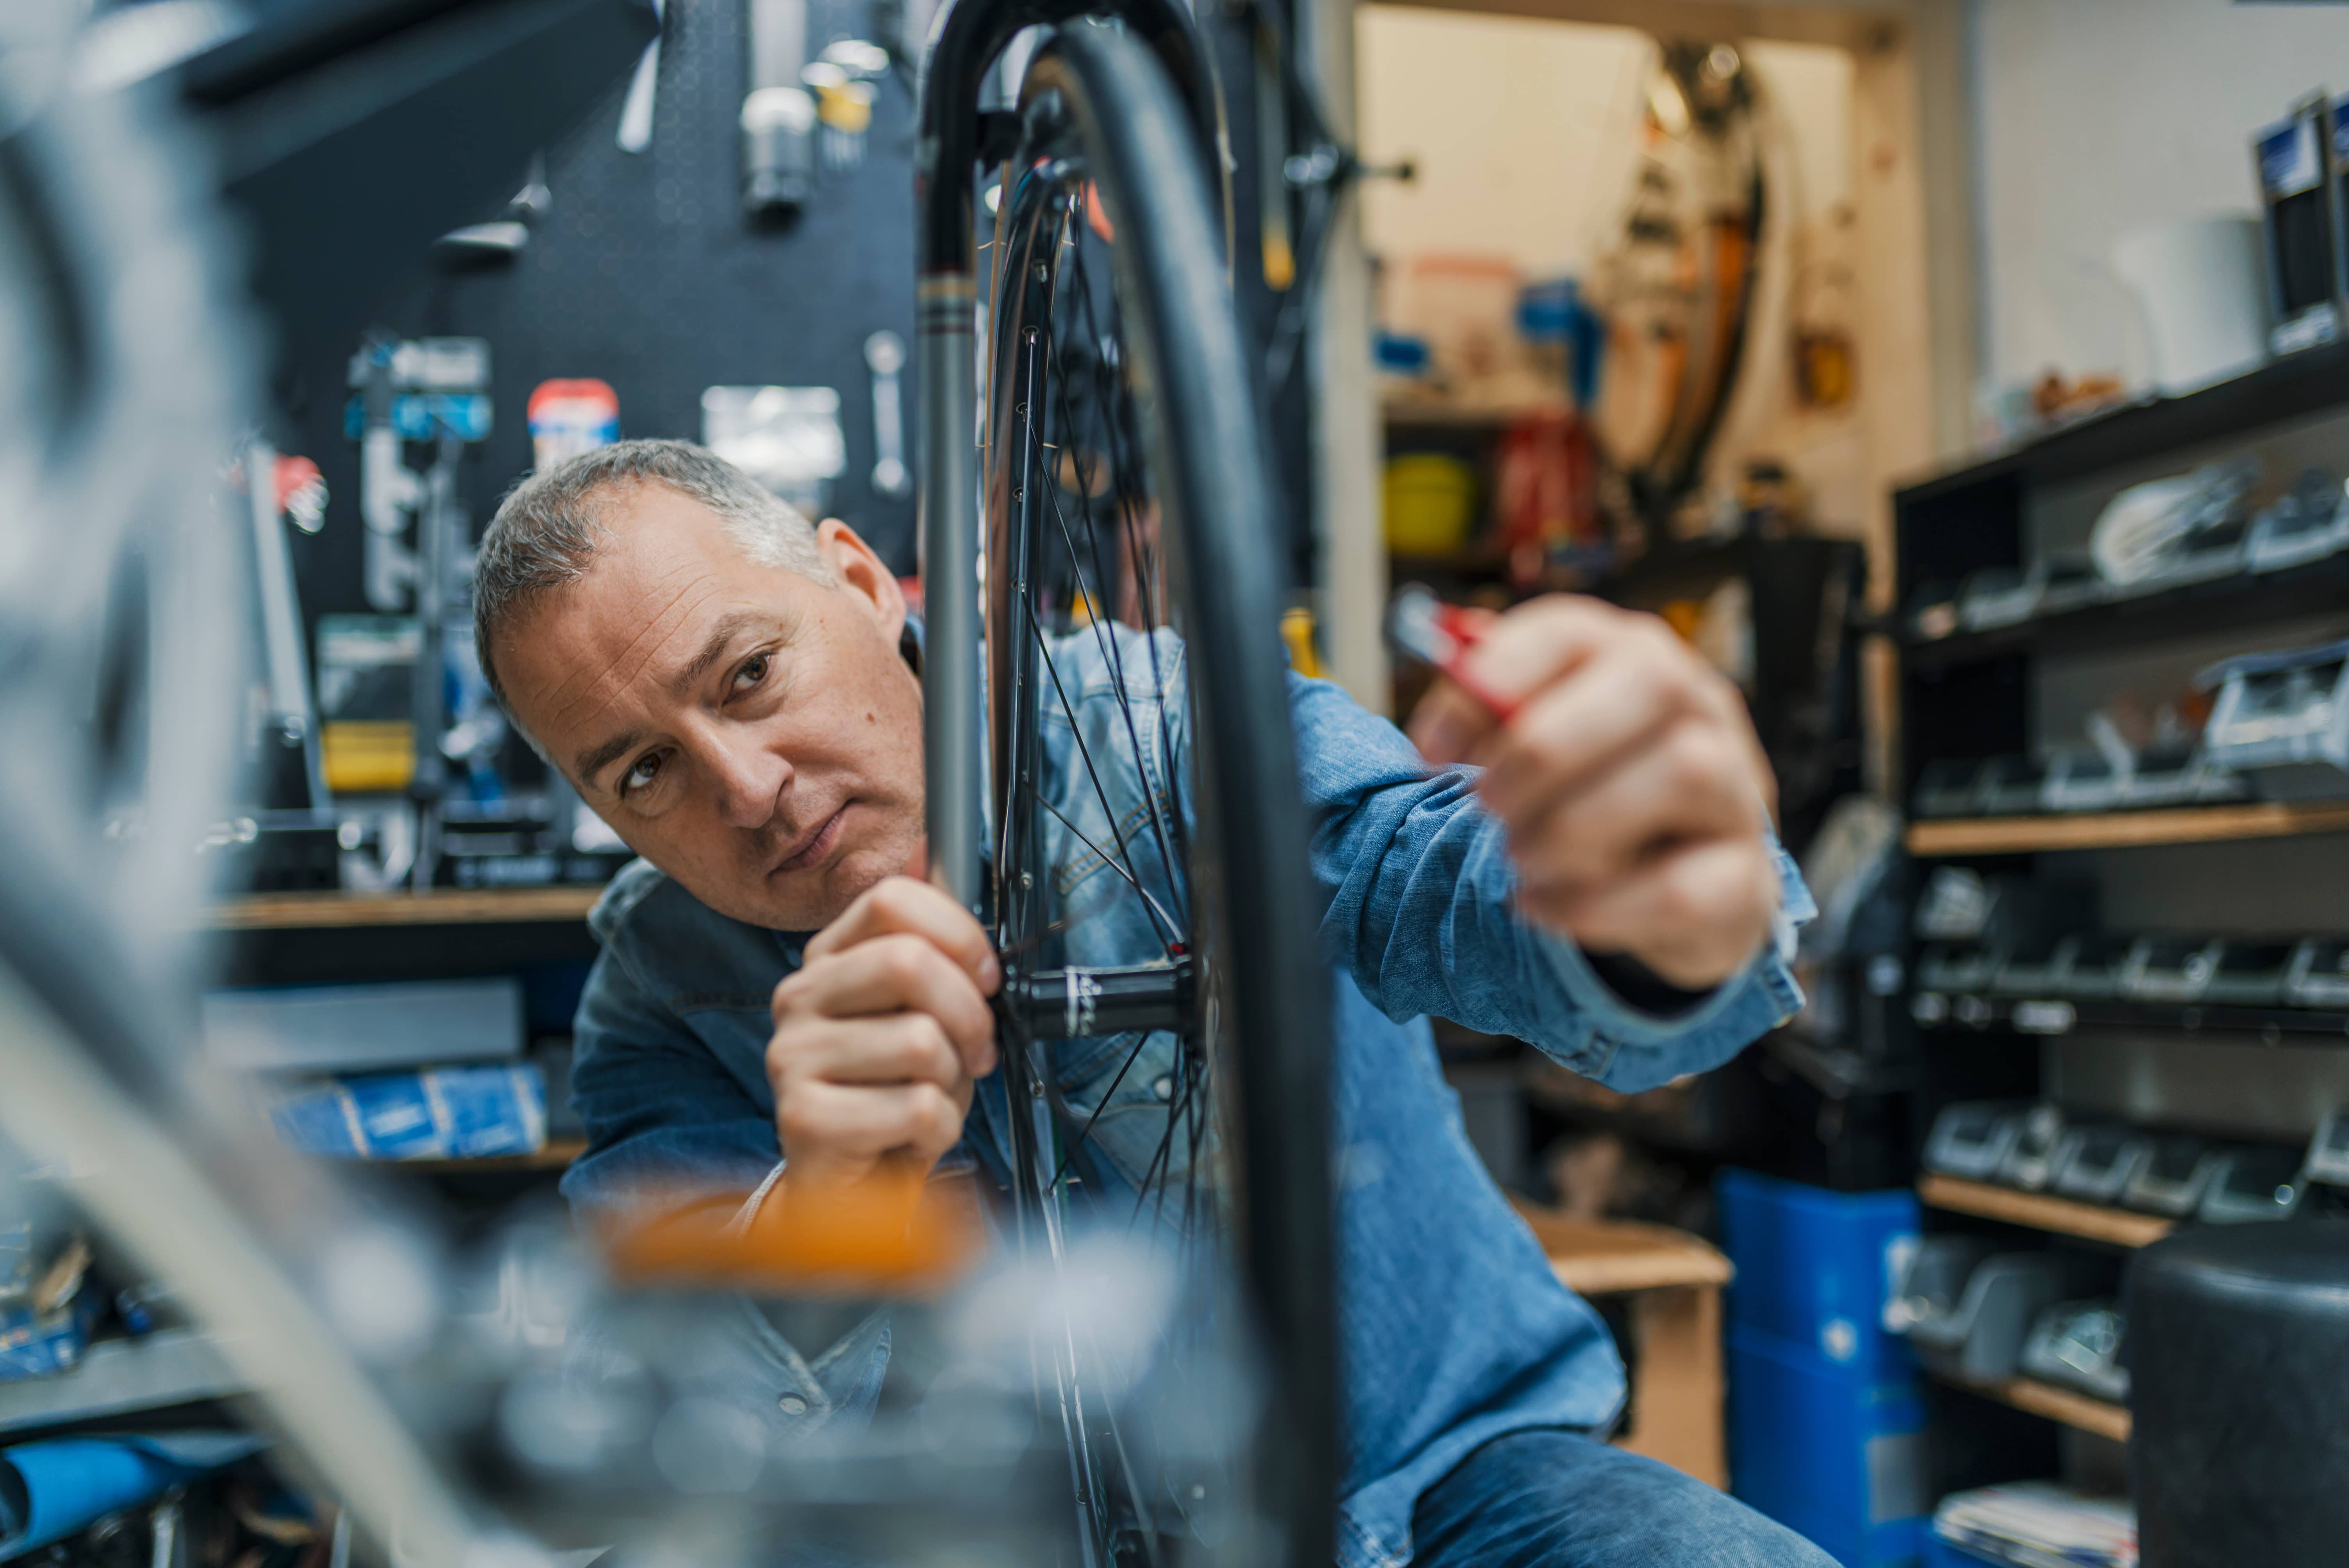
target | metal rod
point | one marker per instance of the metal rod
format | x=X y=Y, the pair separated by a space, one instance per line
x=952 y=730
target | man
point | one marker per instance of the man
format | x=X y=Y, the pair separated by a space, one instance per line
x=782 y=1008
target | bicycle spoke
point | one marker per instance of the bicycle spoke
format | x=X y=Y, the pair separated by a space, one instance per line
x=1044 y=647
x=1126 y=512
x=1117 y=662
x=1079 y=834
x=1086 y=1131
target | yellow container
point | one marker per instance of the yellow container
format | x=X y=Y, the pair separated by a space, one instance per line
x=1431 y=503
x=367 y=757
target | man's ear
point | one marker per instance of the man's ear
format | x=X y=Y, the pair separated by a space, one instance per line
x=864 y=576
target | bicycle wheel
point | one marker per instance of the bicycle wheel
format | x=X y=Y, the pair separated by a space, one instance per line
x=1137 y=723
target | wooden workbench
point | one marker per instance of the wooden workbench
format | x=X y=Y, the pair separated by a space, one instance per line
x=1675 y=1281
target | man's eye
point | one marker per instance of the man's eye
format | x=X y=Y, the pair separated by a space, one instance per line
x=754 y=671
x=648 y=768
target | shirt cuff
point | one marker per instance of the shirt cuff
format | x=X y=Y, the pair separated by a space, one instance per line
x=1633 y=1015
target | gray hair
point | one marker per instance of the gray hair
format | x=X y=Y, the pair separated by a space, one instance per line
x=550 y=526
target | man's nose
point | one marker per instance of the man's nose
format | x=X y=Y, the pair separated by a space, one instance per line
x=751 y=781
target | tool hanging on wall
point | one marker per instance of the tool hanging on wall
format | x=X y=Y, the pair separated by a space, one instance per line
x=841 y=79
x=280 y=835
x=779 y=114
x=885 y=355
x=635 y=132
x=279 y=489
x=498 y=242
x=435 y=390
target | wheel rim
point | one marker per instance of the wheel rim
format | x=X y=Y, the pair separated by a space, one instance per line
x=1085 y=539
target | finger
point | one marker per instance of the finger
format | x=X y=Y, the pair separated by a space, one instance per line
x=1447 y=724
x=897 y=974
x=903 y=906
x=1524 y=650
x=1515 y=654
x=866 y=1122
x=1584 y=723
x=1690 y=786
x=903 y=1047
x=1694 y=916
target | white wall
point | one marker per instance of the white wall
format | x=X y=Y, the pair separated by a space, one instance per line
x=1526 y=131
x=2095 y=117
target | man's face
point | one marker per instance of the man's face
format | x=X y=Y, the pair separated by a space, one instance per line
x=751 y=732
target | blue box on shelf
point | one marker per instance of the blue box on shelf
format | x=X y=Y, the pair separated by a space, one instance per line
x=1829 y=1450
x=1816 y=1268
x=43 y=1344
x=444 y=1113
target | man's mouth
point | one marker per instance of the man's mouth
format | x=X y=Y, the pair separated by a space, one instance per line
x=817 y=845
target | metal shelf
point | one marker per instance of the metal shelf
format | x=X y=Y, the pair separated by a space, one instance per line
x=2061 y=1216
x=2291 y=388
x=117 y=1376
x=2056 y=1015
x=2244 y=599
x=450 y=906
x=2124 y=830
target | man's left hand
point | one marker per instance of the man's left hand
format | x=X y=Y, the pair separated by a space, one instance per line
x=1629 y=778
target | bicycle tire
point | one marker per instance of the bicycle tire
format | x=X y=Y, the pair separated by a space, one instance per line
x=1104 y=118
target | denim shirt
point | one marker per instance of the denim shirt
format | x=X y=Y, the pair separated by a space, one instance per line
x=1454 y=1330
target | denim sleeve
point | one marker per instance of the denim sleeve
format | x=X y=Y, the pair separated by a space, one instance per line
x=666 y=1124
x=665 y=1121
x=1420 y=911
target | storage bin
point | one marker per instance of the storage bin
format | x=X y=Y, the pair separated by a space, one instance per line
x=1975 y=1331
x=1830 y=1452
x=1431 y=503
x=1817 y=1268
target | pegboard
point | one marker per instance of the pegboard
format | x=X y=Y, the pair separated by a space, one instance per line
x=645 y=273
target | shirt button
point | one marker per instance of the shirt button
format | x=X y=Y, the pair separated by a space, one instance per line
x=1163 y=1089
x=791 y=1405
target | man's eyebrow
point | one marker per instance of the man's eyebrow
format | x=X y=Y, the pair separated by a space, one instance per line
x=720 y=635
x=590 y=763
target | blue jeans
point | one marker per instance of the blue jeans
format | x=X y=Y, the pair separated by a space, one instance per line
x=1561 y=1500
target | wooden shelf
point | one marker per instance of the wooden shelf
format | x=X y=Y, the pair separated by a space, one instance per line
x=2091 y=1222
x=450 y=906
x=1470 y=563
x=2122 y=830
x=1613 y=1257
x=1431 y=413
x=556 y=1155
x=2101 y=1417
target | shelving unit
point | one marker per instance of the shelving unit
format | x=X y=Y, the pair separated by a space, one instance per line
x=2025 y=689
x=122 y=1376
x=2040 y=1211
x=2125 y=830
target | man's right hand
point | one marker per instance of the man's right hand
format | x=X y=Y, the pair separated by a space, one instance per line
x=880 y=1037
